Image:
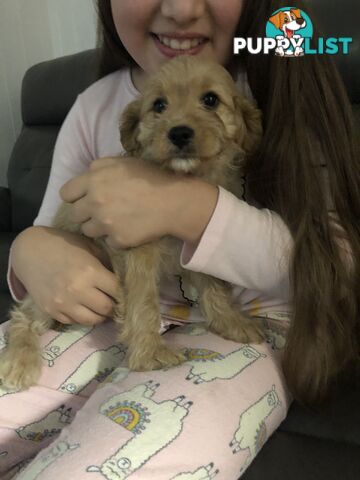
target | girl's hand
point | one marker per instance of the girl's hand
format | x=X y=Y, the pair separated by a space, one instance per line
x=64 y=274
x=131 y=203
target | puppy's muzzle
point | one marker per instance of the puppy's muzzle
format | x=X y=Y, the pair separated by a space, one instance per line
x=181 y=136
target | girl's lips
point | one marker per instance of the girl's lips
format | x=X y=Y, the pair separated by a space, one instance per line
x=170 y=52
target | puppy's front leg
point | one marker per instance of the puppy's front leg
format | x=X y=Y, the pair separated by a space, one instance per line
x=223 y=317
x=117 y=259
x=142 y=319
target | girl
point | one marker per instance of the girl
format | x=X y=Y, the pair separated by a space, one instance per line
x=293 y=245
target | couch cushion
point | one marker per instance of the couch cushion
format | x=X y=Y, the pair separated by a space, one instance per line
x=5 y=210
x=28 y=172
x=50 y=88
x=338 y=420
x=43 y=112
x=289 y=456
x=5 y=303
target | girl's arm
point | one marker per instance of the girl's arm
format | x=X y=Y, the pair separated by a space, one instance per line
x=223 y=236
x=250 y=247
x=62 y=169
x=244 y=245
x=65 y=274
x=131 y=203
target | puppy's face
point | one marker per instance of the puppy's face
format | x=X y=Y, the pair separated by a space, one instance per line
x=190 y=118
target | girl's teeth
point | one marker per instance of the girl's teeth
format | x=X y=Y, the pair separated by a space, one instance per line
x=180 y=44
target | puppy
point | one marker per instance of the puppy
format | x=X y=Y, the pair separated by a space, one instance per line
x=289 y=21
x=190 y=119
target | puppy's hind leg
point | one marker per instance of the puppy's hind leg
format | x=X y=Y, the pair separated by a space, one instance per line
x=223 y=317
x=21 y=361
x=147 y=350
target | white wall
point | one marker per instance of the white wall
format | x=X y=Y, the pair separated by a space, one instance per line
x=32 y=31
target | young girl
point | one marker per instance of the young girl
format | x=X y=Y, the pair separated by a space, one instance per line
x=290 y=247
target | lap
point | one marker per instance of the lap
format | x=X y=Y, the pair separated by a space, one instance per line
x=211 y=414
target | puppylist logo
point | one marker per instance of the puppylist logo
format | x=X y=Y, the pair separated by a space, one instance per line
x=289 y=31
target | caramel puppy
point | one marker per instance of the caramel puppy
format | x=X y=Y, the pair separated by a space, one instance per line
x=190 y=119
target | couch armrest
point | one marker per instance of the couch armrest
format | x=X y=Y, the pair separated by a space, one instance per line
x=5 y=210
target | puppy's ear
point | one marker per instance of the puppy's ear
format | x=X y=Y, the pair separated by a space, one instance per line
x=250 y=125
x=129 y=124
x=277 y=20
x=297 y=12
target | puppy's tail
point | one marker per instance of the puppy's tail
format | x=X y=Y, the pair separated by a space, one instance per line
x=27 y=319
x=21 y=361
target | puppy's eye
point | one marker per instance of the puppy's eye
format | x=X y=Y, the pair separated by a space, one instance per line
x=159 y=105
x=210 y=100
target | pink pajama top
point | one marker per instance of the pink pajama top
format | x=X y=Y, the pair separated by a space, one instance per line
x=242 y=244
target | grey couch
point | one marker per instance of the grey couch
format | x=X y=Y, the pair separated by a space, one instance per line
x=307 y=445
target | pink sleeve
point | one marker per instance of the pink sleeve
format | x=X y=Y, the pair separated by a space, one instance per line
x=243 y=245
x=71 y=157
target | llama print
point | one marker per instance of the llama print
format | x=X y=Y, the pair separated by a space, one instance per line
x=51 y=455
x=193 y=329
x=202 y=473
x=4 y=391
x=47 y=427
x=188 y=291
x=207 y=365
x=116 y=376
x=20 y=467
x=62 y=342
x=254 y=307
x=154 y=426
x=282 y=316
x=179 y=312
x=97 y=366
x=251 y=433
x=275 y=333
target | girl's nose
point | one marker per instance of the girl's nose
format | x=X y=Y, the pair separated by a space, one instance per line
x=183 y=11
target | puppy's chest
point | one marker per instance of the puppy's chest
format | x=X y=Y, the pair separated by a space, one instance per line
x=165 y=256
x=169 y=256
x=175 y=282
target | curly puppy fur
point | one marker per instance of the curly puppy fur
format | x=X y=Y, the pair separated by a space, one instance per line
x=190 y=119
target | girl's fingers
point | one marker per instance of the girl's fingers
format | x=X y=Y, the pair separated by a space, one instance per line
x=107 y=283
x=103 y=162
x=91 y=228
x=75 y=188
x=79 y=211
x=65 y=319
x=84 y=316
x=99 y=303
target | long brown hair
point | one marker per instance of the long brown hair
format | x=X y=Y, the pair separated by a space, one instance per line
x=307 y=121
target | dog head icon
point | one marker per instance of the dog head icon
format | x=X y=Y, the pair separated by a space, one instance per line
x=288 y=21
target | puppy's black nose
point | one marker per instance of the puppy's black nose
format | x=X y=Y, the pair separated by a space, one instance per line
x=299 y=21
x=181 y=135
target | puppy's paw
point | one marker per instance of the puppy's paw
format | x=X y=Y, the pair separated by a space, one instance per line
x=241 y=330
x=19 y=371
x=160 y=357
